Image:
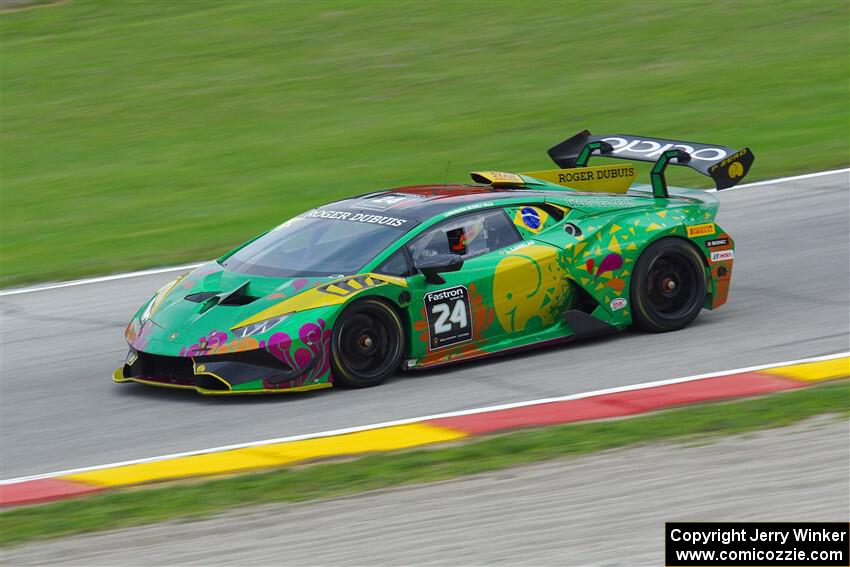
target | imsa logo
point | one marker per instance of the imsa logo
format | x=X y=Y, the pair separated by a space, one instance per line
x=722 y=255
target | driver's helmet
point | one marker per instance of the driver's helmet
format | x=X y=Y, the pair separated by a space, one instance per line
x=474 y=235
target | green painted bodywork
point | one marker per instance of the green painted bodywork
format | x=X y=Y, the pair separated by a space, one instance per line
x=517 y=295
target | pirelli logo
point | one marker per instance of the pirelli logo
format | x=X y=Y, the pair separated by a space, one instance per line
x=701 y=230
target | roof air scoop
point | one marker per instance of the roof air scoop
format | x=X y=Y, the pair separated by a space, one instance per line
x=498 y=178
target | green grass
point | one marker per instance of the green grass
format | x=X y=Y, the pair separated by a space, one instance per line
x=192 y=501
x=137 y=134
x=11 y=5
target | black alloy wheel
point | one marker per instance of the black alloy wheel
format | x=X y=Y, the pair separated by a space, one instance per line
x=668 y=286
x=367 y=344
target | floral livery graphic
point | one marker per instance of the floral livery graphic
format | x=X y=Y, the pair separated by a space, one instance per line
x=213 y=342
x=316 y=357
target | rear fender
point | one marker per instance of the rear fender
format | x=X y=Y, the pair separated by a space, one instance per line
x=717 y=249
x=602 y=258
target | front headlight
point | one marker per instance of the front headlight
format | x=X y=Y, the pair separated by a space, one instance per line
x=157 y=298
x=258 y=327
x=146 y=314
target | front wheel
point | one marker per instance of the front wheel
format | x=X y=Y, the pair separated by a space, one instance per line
x=668 y=286
x=367 y=344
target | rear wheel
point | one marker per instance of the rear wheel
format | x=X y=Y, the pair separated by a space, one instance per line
x=668 y=286
x=367 y=344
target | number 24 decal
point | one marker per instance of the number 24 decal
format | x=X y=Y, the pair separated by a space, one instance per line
x=449 y=317
x=454 y=315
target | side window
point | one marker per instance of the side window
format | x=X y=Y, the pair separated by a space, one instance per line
x=469 y=236
x=534 y=219
x=395 y=265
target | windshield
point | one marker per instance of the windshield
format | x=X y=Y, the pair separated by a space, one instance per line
x=319 y=243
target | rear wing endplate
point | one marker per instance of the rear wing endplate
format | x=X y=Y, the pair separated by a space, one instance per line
x=724 y=165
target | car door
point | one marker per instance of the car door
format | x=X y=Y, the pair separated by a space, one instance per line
x=531 y=290
x=456 y=318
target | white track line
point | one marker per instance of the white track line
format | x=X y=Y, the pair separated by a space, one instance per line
x=426 y=418
x=72 y=283
x=100 y=279
x=784 y=179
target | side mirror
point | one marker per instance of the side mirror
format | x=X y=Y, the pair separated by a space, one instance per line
x=435 y=265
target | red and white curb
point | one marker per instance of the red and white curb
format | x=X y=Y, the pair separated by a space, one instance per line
x=407 y=433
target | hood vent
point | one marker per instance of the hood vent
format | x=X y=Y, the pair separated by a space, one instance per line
x=238 y=296
x=201 y=297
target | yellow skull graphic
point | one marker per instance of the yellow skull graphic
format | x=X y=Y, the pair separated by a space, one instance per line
x=530 y=289
x=736 y=170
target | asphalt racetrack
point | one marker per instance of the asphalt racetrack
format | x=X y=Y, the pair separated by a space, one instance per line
x=59 y=409
x=563 y=512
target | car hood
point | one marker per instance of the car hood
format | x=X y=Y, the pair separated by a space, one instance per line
x=209 y=302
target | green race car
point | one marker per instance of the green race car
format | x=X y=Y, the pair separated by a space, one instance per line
x=416 y=277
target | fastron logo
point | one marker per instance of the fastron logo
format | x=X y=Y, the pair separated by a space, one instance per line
x=450 y=293
x=722 y=255
x=617 y=304
x=653 y=149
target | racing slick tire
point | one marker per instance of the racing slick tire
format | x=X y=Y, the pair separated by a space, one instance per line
x=668 y=286
x=367 y=344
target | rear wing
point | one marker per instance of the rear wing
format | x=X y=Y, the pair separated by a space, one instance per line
x=724 y=165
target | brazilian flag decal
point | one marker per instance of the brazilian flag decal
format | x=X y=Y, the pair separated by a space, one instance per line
x=530 y=220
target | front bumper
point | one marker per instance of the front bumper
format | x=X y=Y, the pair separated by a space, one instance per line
x=248 y=372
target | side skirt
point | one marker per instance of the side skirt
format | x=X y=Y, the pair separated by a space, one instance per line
x=480 y=355
x=583 y=326
x=586 y=326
